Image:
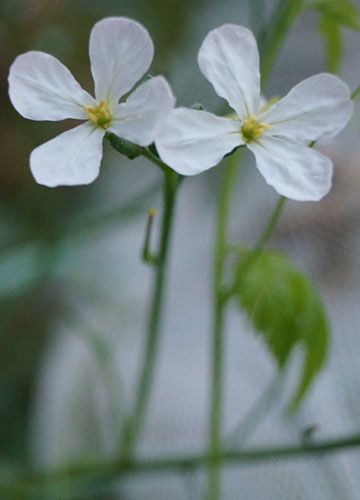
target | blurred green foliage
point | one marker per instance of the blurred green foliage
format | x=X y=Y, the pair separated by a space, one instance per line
x=284 y=307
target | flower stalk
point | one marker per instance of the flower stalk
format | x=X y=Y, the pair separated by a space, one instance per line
x=134 y=423
x=217 y=345
x=147 y=255
x=285 y=15
x=256 y=251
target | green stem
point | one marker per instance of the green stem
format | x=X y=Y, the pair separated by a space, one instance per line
x=248 y=424
x=217 y=346
x=356 y=92
x=284 y=18
x=134 y=424
x=110 y=470
x=156 y=160
x=216 y=402
x=147 y=255
x=269 y=226
x=285 y=15
x=257 y=249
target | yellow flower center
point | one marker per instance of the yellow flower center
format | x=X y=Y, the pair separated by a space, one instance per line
x=252 y=129
x=100 y=115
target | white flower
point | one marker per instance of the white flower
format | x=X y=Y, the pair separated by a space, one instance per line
x=41 y=88
x=317 y=108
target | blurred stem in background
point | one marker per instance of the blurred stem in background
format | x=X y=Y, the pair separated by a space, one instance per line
x=217 y=351
x=134 y=424
x=248 y=424
x=78 y=477
x=274 y=33
x=271 y=39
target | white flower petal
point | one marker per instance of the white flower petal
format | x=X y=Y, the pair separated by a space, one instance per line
x=42 y=88
x=294 y=170
x=121 y=52
x=192 y=141
x=317 y=108
x=72 y=158
x=229 y=59
x=140 y=117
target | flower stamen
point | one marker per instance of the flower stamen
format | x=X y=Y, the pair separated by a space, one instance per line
x=252 y=129
x=100 y=115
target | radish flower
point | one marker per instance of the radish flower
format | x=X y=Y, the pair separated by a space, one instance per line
x=42 y=88
x=317 y=108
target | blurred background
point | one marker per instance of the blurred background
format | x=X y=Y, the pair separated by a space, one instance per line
x=74 y=292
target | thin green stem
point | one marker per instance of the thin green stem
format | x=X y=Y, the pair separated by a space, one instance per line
x=110 y=470
x=156 y=160
x=216 y=402
x=147 y=255
x=217 y=345
x=257 y=249
x=269 y=226
x=246 y=427
x=285 y=15
x=134 y=424
x=356 y=92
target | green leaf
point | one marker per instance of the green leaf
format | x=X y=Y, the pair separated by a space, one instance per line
x=331 y=33
x=340 y=12
x=284 y=308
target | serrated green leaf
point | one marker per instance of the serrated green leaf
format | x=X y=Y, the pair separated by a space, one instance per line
x=285 y=309
x=331 y=33
x=341 y=12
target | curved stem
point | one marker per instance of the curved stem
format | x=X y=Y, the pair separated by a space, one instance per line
x=110 y=470
x=134 y=424
x=156 y=160
x=217 y=346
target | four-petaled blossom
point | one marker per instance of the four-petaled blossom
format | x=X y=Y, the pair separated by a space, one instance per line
x=317 y=108
x=41 y=88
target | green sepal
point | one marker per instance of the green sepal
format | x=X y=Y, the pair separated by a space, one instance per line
x=126 y=148
x=284 y=308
